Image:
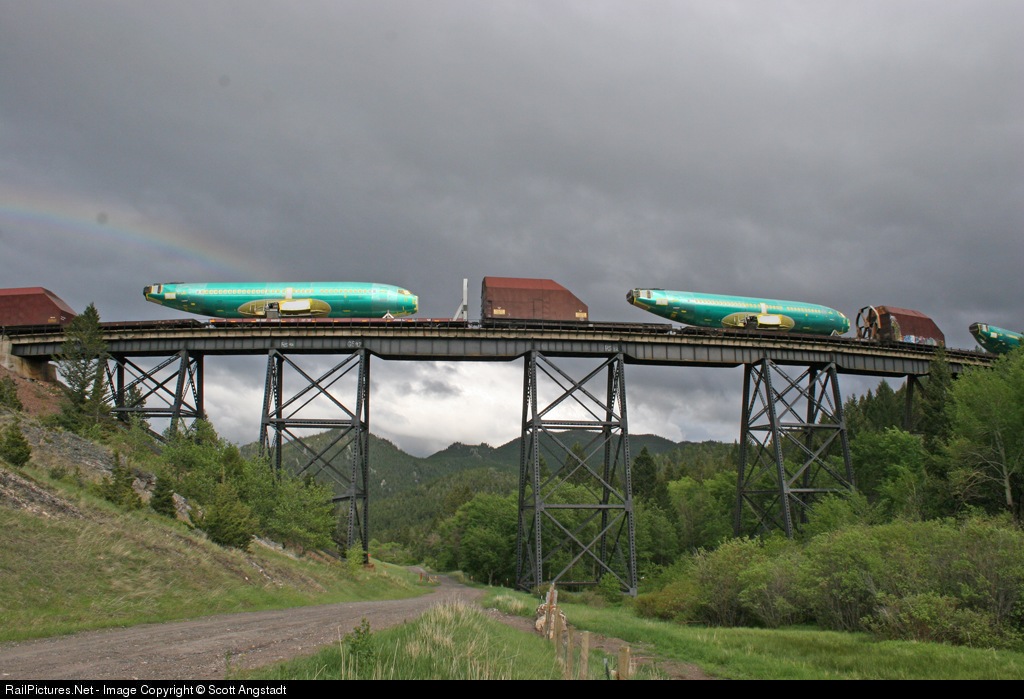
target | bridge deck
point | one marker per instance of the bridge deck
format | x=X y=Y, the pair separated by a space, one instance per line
x=640 y=344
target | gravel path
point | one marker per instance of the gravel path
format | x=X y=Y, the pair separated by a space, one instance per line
x=200 y=649
x=204 y=649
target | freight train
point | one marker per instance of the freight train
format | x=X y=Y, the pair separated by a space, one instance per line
x=507 y=302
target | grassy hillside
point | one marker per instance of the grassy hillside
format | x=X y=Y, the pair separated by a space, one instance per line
x=73 y=562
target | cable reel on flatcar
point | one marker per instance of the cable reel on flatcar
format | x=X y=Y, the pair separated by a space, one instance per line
x=869 y=324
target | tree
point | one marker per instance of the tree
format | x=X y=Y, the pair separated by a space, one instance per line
x=119 y=488
x=227 y=520
x=199 y=460
x=986 y=444
x=480 y=539
x=162 y=501
x=903 y=490
x=14 y=448
x=935 y=418
x=82 y=365
x=657 y=543
x=891 y=472
x=9 y=394
x=303 y=514
x=703 y=510
x=645 y=475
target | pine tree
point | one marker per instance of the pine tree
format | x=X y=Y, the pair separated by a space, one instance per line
x=645 y=475
x=14 y=448
x=82 y=364
x=162 y=501
x=227 y=520
x=646 y=482
x=119 y=488
x=9 y=394
x=935 y=422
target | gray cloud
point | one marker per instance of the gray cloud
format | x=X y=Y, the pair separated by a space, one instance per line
x=842 y=153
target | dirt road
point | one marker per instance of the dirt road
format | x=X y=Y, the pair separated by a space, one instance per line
x=201 y=649
x=204 y=649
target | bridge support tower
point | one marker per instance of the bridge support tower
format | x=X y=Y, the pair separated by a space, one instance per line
x=575 y=497
x=793 y=446
x=171 y=391
x=336 y=404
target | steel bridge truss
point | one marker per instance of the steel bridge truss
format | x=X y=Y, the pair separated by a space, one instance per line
x=170 y=391
x=338 y=449
x=793 y=446
x=575 y=499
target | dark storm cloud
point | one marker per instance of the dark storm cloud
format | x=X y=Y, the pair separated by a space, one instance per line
x=836 y=152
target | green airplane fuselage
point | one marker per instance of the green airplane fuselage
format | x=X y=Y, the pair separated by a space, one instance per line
x=285 y=299
x=996 y=340
x=740 y=312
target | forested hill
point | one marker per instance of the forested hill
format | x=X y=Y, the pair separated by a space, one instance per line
x=409 y=495
x=392 y=471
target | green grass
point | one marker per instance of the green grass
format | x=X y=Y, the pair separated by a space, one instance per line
x=112 y=568
x=456 y=642
x=798 y=653
x=452 y=641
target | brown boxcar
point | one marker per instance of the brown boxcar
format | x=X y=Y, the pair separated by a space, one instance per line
x=891 y=324
x=33 y=305
x=510 y=298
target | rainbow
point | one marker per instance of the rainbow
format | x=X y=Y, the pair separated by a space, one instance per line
x=69 y=221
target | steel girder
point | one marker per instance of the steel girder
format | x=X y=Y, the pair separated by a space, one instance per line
x=793 y=446
x=338 y=449
x=171 y=390
x=576 y=509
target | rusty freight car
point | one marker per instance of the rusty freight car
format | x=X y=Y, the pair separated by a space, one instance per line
x=33 y=305
x=511 y=298
x=892 y=324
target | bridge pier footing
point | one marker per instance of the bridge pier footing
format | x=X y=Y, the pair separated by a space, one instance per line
x=37 y=369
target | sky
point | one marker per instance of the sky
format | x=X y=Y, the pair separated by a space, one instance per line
x=835 y=152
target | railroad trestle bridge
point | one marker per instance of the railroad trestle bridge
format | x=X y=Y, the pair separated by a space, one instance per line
x=793 y=438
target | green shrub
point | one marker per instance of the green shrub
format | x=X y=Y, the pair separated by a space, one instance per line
x=676 y=601
x=360 y=646
x=355 y=558
x=840 y=577
x=609 y=589
x=938 y=618
x=717 y=574
x=984 y=567
x=227 y=520
x=770 y=591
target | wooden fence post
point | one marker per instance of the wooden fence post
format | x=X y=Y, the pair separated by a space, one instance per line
x=624 y=663
x=585 y=656
x=559 y=630
x=570 y=653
